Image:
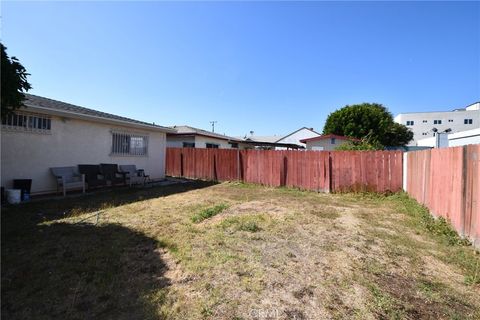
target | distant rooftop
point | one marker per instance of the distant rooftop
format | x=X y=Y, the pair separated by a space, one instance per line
x=187 y=130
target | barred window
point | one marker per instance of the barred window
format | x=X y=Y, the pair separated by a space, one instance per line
x=129 y=144
x=27 y=122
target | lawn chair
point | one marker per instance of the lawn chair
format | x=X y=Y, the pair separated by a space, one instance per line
x=68 y=178
x=111 y=173
x=93 y=176
x=133 y=175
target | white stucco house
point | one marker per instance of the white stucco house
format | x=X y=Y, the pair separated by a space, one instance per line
x=425 y=125
x=292 y=140
x=443 y=140
x=49 y=133
x=327 y=142
x=191 y=137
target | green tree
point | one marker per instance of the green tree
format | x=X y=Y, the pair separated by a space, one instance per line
x=13 y=83
x=368 y=120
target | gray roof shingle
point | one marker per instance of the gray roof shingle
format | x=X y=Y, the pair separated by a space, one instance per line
x=37 y=101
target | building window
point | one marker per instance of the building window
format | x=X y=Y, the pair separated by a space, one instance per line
x=424 y=121
x=129 y=144
x=212 y=145
x=332 y=140
x=27 y=122
x=234 y=145
x=410 y=123
x=189 y=144
x=468 y=121
x=450 y=120
x=437 y=121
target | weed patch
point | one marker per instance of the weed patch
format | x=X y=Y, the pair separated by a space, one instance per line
x=208 y=213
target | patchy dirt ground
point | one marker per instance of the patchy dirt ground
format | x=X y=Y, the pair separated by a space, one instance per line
x=271 y=254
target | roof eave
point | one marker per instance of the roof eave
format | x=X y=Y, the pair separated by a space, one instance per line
x=81 y=116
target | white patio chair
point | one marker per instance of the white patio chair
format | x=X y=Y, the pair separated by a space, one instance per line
x=68 y=178
x=133 y=176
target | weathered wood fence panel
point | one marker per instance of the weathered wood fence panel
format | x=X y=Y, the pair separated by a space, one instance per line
x=446 y=181
x=336 y=171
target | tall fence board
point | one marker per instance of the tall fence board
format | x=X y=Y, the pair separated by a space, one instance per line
x=336 y=171
x=447 y=182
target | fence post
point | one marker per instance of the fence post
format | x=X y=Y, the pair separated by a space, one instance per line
x=463 y=210
x=181 y=164
x=238 y=164
x=328 y=173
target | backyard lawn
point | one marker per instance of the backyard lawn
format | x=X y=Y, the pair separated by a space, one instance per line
x=234 y=251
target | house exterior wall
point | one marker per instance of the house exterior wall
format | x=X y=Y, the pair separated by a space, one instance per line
x=463 y=138
x=200 y=142
x=325 y=144
x=297 y=136
x=423 y=129
x=26 y=155
x=177 y=141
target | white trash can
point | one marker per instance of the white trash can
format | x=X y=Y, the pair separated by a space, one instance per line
x=14 y=196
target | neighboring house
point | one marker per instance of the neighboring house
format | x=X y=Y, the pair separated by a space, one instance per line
x=427 y=124
x=327 y=142
x=50 y=133
x=290 y=141
x=456 y=139
x=190 y=137
x=297 y=136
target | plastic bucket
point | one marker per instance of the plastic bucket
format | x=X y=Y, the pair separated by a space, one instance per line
x=14 y=196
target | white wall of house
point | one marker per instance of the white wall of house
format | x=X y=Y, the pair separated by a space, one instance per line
x=423 y=122
x=325 y=144
x=177 y=141
x=200 y=142
x=26 y=155
x=463 y=138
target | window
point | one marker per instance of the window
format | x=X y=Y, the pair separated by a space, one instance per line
x=424 y=121
x=27 y=122
x=332 y=140
x=189 y=144
x=450 y=120
x=212 y=145
x=467 y=121
x=437 y=121
x=129 y=144
x=410 y=123
x=234 y=145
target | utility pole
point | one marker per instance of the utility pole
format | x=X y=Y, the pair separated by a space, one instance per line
x=213 y=125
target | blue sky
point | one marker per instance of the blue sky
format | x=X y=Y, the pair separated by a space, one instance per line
x=270 y=67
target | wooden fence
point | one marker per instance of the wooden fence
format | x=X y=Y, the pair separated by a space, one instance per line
x=336 y=171
x=447 y=181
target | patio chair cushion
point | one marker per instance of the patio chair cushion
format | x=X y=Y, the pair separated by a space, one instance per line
x=133 y=175
x=69 y=174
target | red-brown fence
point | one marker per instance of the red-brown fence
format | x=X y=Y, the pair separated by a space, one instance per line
x=447 y=181
x=336 y=171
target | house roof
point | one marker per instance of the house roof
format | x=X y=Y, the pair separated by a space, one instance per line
x=268 y=139
x=329 y=136
x=189 y=131
x=302 y=128
x=60 y=108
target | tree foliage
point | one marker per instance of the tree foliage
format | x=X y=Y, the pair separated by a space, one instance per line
x=13 y=83
x=368 y=120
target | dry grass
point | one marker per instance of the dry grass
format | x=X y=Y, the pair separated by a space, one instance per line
x=268 y=253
